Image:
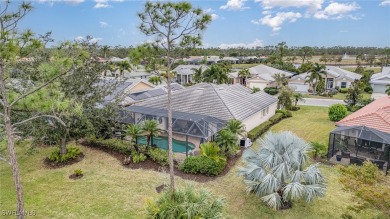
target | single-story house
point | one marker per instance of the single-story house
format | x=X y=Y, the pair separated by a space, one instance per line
x=335 y=76
x=363 y=135
x=123 y=88
x=193 y=60
x=262 y=76
x=185 y=73
x=200 y=111
x=231 y=60
x=380 y=81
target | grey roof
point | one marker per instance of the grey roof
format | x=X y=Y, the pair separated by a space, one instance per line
x=341 y=73
x=174 y=86
x=187 y=69
x=222 y=102
x=378 y=77
x=267 y=73
x=119 y=89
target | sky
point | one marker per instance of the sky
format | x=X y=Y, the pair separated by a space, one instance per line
x=236 y=23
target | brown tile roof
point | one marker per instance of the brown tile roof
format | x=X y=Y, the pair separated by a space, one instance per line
x=375 y=115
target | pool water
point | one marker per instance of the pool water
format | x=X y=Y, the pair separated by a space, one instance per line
x=162 y=142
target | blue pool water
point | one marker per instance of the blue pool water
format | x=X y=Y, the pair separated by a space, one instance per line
x=162 y=142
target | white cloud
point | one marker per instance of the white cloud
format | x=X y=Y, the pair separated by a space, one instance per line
x=103 y=24
x=93 y=40
x=277 y=21
x=210 y=11
x=311 y=5
x=234 y=5
x=214 y=16
x=385 y=3
x=266 y=12
x=102 y=4
x=71 y=2
x=254 y=44
x=337 y=11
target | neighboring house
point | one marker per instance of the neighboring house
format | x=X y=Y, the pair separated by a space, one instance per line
x=262 y=76
x=193 y=60
x=335 y=77
x=234 y=79
x=380 y=81
x=230 y=60
x=200 y=111
x=213 y=60
x=185 y=73
x=365 y=134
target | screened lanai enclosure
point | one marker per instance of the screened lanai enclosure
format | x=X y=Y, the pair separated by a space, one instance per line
x=187 y=127
x=356 y=144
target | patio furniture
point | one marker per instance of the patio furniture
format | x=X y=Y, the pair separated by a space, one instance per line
x=356 y=160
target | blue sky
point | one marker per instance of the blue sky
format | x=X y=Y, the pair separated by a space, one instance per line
x=235 y=23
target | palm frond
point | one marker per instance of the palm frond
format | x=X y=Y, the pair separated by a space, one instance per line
x=273 y=200
x=293 y=191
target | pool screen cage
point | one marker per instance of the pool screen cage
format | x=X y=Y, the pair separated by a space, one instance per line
x=189 y=124
x=360 y=143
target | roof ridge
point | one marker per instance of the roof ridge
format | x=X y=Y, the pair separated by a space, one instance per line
x=223 y=102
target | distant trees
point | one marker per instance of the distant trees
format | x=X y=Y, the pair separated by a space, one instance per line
x=305 y=53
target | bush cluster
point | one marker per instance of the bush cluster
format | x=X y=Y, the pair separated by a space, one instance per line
x=203 y=165
x=263 y=127
x=271 y=90
x=137 y=157
x=343 y=90
x=117 y=145
x=159 y=155
x=71 y=153
x=337 y=112
x=368 y=183
x=285 y=113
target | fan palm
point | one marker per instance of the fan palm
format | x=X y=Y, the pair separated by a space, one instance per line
x=150 y=128
x=235 y=126
x=227 y=140
x=198 y=74
x=244 y=74
x=210 y=149
x=278 y=171
x=134 y=130
x=317 y=72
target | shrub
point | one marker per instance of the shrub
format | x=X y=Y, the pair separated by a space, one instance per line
x=319 y=149
x=117 y=145
x=72 y=153
x=138 y=157
x=285 y=113
x=294 y=108
x=271 y=90
x=186 y=203
x=276 y=118
x=337 y=112
x=259 y=130
x=159 y=155
x=368 y=89
x=343 y=90
x=210 y=149
x=337 y=88
x=78 y=172
x=204 y=165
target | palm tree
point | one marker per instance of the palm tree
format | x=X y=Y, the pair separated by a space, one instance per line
x=278 y=173
x=198 y=74
x=155 y=80
x=235 y=126
x=280 y=80
x=244 y=74
x=297 y=97
x=316 y=75
x=134 y=130
x=122 y=66
x=150 y=128
x=216 y=74
x=227 y=141
x=255 y=89
x=105 y=50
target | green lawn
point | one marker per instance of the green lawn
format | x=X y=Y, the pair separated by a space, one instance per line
x=375 y=69
x=108 y=190
x=338 y=96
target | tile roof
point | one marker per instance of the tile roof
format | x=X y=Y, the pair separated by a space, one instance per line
x=219 y=101
x=341 y=73
x=382 y=77
x=375 y=115
x=187 y=69
x=267 y=73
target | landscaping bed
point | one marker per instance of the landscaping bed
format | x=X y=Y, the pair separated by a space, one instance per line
x=149 y=164
x=55 y=165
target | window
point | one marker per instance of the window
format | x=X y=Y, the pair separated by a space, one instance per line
x=343 y=84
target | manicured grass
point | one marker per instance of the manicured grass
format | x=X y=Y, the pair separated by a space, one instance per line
x=109 y=190
x=375 y=69
x=338 y=96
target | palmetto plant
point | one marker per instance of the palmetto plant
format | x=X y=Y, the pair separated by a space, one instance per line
x=150 y=128
x=278 y=171
x=210 y=149
x=134 y=130
x=235 y=126
x=227 y=140
x=186 y=203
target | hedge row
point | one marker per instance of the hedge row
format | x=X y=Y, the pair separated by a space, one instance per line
x=263 y=127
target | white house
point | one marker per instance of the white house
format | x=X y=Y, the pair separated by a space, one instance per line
x=380 y=81
x=200 y=111
x=335 y=76
x=262 y=76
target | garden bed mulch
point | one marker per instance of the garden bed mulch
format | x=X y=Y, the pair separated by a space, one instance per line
x=53 y=165
x=149 y=164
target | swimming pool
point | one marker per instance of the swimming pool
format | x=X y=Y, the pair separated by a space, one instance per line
x=162 y=142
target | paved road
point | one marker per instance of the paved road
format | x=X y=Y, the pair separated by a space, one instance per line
x=319 y=102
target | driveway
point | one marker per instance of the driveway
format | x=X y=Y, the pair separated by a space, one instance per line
x=319 y=102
